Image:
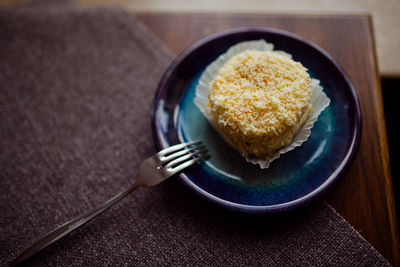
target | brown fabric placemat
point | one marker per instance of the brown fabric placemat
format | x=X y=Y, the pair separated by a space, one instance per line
x=76 y=87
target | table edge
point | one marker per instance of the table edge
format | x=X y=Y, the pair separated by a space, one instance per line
x=385 y=157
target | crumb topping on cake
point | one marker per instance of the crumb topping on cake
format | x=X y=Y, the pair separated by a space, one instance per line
x=259 y=99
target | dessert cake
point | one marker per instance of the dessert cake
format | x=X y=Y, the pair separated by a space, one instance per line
x=259 y=100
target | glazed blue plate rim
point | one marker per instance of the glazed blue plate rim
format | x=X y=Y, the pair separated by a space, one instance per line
x=299 y=202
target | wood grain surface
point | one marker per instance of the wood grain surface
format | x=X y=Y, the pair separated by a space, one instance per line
x=364 y=196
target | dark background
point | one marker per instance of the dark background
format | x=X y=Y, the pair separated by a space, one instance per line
x=389 y=87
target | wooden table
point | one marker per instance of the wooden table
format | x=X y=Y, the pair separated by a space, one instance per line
x=364 y=197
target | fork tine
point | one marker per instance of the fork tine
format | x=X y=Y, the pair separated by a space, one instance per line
x=165 y=159
x=189 y=163
x=177 y=147
x=184 y=158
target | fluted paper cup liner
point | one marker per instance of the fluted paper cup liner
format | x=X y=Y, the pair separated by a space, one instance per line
x=319 y=100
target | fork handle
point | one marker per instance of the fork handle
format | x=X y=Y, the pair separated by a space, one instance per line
x=70 y=226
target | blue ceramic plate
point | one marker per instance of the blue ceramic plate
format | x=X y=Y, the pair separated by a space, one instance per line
x=227 y=179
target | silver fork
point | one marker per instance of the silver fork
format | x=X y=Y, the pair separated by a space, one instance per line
x=152 y=171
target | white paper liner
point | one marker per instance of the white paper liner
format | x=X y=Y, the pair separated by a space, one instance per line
x=319 y=100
